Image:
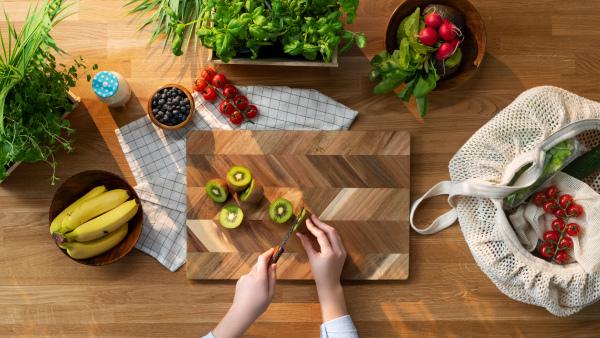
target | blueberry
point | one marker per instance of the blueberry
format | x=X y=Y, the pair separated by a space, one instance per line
x=163 y=96
x=155 y=111
x=175 y=111
x=161 y=102
x=175 y=101
x=179 y=91
x=185 y=100
x=154 y=104
x=187 y=106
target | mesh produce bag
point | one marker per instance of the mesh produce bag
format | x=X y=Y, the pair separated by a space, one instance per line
x=481 y=171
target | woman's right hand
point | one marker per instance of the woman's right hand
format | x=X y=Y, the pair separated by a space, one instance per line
x=326 y=267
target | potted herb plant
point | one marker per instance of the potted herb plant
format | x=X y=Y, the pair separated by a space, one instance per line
x=35 y=90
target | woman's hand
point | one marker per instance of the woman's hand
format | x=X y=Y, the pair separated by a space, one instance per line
x=326 y=267
x=253 y=294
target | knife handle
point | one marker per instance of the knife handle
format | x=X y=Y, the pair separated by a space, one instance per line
x=276 y=254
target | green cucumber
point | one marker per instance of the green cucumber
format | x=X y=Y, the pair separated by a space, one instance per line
x=584 y=165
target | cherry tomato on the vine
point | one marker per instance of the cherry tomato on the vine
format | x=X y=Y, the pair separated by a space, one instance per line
x=209 y=94
x=558 y=225
x=575 y=210
x=551 y=236
x=561 y=257
x=229 y=91
x=219 y=81
x=546 y=250
x=565 y=200
x=200 y=84
x=538 y=198
x=241 y=102
x=565 y=243
x=207 y=74
x=549 y=206
x=226 y=108
x=251 y=112
x=573 y=229
x=236 y=118
x=559 y=213
x=552 y=192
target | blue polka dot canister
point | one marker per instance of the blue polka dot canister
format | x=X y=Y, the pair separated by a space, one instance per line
x=111 y=88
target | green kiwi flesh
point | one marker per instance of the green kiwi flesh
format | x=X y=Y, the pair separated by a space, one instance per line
x=217 y=190
x=301 y=225
x=253 y=193
x=238 y=178
x=231 y=216
x=280 y=210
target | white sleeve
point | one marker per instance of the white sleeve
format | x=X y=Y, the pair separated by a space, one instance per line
x=342 y=327
x=209 y=335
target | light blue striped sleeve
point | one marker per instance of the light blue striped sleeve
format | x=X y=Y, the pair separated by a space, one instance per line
x=209 y=335
x=342 y=327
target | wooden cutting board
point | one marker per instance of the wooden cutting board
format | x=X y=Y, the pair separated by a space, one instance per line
x=356 y=181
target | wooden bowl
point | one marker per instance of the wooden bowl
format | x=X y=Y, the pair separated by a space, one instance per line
x=80 y=184
x=182 y=124
x=473 y=47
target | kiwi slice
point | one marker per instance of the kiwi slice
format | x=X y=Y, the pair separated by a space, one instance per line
x=280 y=210
x=301 y=225
x=253 y=193
x=217 y=190
x=231 y=216
x=238 y=178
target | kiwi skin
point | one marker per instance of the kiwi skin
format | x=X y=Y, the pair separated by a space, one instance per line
x=255 y=194
x=301 y=226
x=223 y=186
x=237 y=188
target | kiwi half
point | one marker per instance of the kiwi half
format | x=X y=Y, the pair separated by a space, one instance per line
x=280 y=210
x=253 y=193
x=301 y=225
x=217 y=190
x=231 y=216
x=238 y=178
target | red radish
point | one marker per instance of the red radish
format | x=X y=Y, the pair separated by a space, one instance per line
x=448 y=31
x=445 y=51
x=428 y=36
x=433 y=20
x=455 y=42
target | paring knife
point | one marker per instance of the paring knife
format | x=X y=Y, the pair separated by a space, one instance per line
x=279 y=249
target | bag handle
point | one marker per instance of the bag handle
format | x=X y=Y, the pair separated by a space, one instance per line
x=442 y=222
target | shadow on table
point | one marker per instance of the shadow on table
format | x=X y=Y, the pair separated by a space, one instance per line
x=131 y=111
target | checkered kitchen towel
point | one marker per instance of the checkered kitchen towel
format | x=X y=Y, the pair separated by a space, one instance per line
x=157 y=157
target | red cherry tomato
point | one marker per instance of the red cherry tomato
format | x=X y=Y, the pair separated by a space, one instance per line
x=241 y=102
x=538 y=198
x=573 y=229
x=546 y=250
x=565 y=200
x=552 y=192
x=251 y=112
x=575 y=210
x=551 y=237
x=200 y=84
x=561 y=258
x=559 y=213
x=558 y=225
x=226 y=108
x=236 y=118
x=229 y=91
x=207 y=74
x=549 y=206
x=219 y=81
x=209 y=94
x=565 y=243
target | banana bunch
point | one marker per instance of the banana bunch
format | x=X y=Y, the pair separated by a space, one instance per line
x=95 y=223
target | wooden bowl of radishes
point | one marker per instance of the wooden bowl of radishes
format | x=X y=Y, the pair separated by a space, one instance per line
x=466 y=18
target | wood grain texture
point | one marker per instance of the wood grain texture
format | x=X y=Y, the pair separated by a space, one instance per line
x=363 y=192
x=43 y=293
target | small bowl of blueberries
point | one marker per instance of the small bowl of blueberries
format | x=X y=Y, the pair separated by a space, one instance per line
x=171 y=107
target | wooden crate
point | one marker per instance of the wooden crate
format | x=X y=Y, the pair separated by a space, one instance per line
x=75 y=101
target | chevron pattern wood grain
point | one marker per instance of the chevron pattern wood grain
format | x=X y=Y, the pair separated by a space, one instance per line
x=356 y=181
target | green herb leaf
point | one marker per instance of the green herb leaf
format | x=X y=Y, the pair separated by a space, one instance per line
x=361 y=41
x=454 y=59
x=423 y=105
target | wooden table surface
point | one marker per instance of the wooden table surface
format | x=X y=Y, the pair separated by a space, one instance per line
x=530 y=43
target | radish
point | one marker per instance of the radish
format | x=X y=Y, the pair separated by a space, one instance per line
x=433 y=20
x=448 y=31
x=445 y=51
x=455 y=42
x=428 y=36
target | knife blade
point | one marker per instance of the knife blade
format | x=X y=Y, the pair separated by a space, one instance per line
x=279 y=249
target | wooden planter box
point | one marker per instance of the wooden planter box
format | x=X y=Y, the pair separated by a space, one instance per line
x=75 y=101
x=272 y=57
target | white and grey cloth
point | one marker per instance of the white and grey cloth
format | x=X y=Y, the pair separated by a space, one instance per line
x=157 y=157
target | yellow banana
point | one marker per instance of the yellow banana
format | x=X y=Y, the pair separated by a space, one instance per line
x=99 y=246
x=104 y=224
x=94 y=207
x=56 y=224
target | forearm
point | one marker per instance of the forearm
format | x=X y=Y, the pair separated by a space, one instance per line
x=333 y=304
x=234 y=324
